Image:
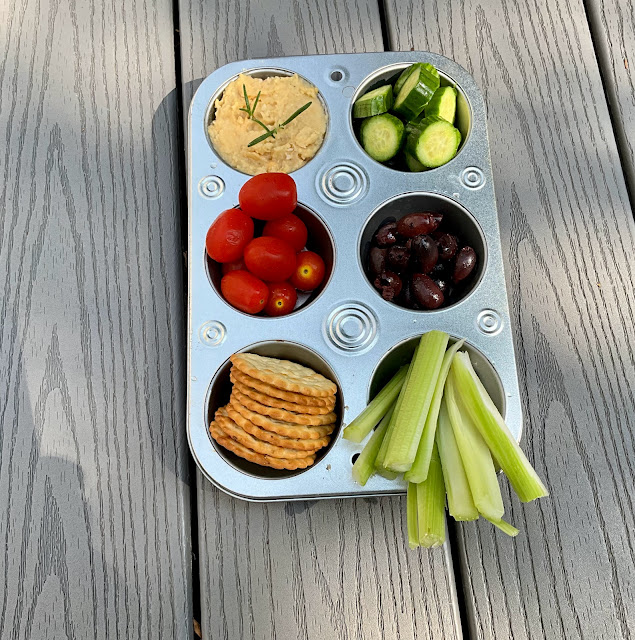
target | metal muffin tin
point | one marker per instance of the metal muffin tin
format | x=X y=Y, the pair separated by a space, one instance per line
x=347 y=332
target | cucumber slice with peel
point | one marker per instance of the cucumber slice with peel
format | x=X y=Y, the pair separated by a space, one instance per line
x=416 y=91
x=442 y=104
x=374 y=102
x=433 y=142
x=413 y=164
x=403 y=75
x=382 y=136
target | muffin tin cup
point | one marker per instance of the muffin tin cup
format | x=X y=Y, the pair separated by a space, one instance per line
x=355 y=334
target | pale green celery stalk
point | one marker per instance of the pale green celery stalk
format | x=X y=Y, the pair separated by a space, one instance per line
x=492 y=427
x=419 y=470
x=476 y=458
x=417 y=396
x=505 y=527
x=411 y=516
x=365 y=464
x=431 y=505
x=363 y=424
x=379 y=461
x=460 y=503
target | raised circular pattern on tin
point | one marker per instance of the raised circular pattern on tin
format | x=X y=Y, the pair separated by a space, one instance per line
x=211 y=187
x=212 y=333
x=489 y=322
x=472 y=178
x=351 y=327
x=342 y=183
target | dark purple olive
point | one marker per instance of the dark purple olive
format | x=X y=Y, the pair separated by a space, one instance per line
x=448 y=245
x=398 y=258
x=406 y=299
x=386 y=235
x=441 y=270
x=388 y=284
x=443 y=285
x=426 y=292
x=465 y=263
x=414 y=224
x=425 y=253
x=377 y=260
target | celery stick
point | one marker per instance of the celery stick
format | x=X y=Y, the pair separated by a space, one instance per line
x=363 y=424
x=419 y=470
x=389 y=475
x=505 y=527
x=365 y=463
x=460 y=503
x=431 y=505
x=476 y=458
x=492 y=427
x=418 y=393
x=379 y=461
x=411 y=516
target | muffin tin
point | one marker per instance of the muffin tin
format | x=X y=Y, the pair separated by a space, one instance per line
x=345 y=330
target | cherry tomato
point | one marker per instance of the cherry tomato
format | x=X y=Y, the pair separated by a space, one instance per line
x=282 y=299
x=270 y=259
x=268 y=196
x=229 y=234
x=309 y=271
x=234 y=265
x=244 y=291
x=288 y=228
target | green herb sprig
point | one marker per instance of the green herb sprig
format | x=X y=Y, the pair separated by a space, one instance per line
x=250 y=110
x=271 y=132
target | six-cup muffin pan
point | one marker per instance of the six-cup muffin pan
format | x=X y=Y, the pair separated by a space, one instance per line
x=345 y=330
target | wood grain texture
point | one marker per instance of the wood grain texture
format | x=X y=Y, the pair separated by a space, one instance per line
x=569 y=240
x=93 y=458
x=613 y=27
x=329 y=569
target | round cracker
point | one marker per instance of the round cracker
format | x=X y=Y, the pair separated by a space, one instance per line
x=251 y=456
x=237 y=433
x=282 y=414
x=284 y=374
x=270 y=401
x=309 y=446
x=262 y=387
x=240 y=414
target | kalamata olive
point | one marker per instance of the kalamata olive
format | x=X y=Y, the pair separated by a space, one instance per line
x=425 y=253
x=426 y=292
x=441 y=270
x=415 y=224
x=406 y=299
x=465 y=263
x=377 y=260
x=448 y=245
x=386 y=235
x=398 y=258
x=443 y=284
x=388 y=284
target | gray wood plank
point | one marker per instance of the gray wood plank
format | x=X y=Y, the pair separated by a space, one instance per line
x=568 y=239
x=613 y=28
x=328 y=569
x=93 y=458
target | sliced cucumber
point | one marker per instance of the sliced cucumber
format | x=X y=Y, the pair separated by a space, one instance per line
x=413 y=164
x=442 y=104
x=382 y=136
x=403 y=75
x=416 y=91
x=374 y=102
x=434 y=142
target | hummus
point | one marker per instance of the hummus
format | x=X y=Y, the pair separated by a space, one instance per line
x=231 y=129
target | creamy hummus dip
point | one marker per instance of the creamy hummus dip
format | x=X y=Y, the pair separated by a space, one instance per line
x=231 y=129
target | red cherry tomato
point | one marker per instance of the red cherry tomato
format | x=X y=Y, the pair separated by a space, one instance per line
x=270 y=259
x=234 y=265
x=229 y=234
x=309 y=271
x=244 y=291
x=288 y=228
x=268 y=196
x=282 y=299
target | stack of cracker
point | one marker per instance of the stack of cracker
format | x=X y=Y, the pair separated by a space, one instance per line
x=279 y=415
